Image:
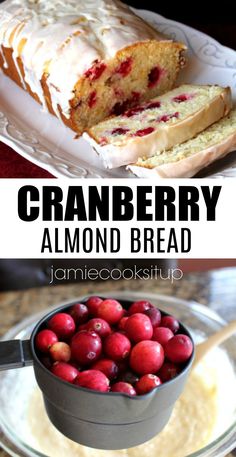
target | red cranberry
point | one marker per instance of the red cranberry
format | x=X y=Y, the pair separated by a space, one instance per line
x=154 y=315
x=162 y=335
x=45 y=339
x=121 y=325
x=86 y=347
x=153 y=105
x=144 y=132
x=123 y=387
x=117 y=346
x=140 y=307
x=154 y=77
x=133 y=111
x=82 y=327
x=76 y=365
x=108 y=367
x=64 y=371
x=93 y=304
x=129 y=376
x=111 y=311
x=79 y=312
x=120 y=107
x=95 y=71
x=119 y=131
x=98 y=325
x=167 y=117
x=147 y=357
x=93 y=379
x=60 y=352
x=171 y=323
x=139 y=109
x=182 y=98
x=179 y=348
x=92 y=99
x=135 y=96
x=147 y=383
x=125 y=67
x=62 y=324
x=168 y=371
x=138 y=327
x=123 y=365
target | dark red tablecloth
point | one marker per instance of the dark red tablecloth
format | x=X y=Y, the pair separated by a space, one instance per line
x=12 y=165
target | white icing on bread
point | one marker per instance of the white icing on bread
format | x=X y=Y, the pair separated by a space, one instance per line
x=51 y=36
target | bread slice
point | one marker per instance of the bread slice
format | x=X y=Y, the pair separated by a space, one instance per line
x=185 y=160
x=85 y=60
x=158 y=124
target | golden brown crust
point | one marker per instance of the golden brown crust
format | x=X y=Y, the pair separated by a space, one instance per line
x=12 y=72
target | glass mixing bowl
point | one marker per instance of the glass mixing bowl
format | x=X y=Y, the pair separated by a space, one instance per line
x=16 y=386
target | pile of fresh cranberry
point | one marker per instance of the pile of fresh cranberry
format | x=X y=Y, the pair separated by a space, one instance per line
x=102 y=346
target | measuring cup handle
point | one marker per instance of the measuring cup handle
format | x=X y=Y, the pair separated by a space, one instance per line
x=15 y=354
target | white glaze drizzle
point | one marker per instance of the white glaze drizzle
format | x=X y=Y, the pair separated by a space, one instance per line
x=5 y=64
x=64 y=38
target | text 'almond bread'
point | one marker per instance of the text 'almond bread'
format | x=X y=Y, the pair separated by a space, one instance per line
x=84 y=60
x=159 y=124
x=185 y=160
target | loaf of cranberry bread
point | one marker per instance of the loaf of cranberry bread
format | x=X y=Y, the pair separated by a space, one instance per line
x=185 y=160
x=158 y=124
x=85 y=59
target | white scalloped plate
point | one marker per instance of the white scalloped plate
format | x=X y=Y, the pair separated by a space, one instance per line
x=45 y=141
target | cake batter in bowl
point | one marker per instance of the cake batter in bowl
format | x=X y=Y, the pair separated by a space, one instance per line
x=203 y=422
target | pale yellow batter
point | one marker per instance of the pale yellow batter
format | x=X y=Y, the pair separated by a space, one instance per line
x=190 y=428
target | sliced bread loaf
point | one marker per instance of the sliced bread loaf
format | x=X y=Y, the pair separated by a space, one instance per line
x=83 y=60
x=159 y=124
x=185 y=160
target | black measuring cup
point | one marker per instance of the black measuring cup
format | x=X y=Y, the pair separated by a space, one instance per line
x=96 y=419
